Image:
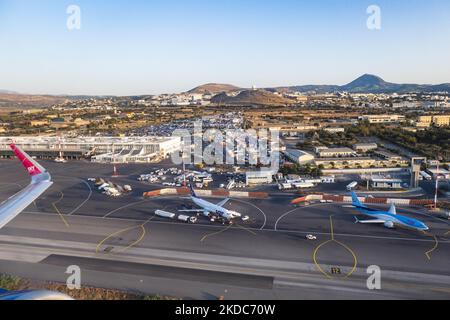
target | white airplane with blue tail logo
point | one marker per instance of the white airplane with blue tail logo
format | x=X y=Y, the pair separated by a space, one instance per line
x=390 y=218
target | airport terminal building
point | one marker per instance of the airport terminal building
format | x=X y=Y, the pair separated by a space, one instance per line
x=98 y=149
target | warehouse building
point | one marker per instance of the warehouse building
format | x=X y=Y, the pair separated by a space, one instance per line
x=384 y=183
x=365 y=147
x=336 y=152
x=384 y=118
x=299 y=156
x=259 y=177
x=439 y=174
x=341 y=163
x=389 y=156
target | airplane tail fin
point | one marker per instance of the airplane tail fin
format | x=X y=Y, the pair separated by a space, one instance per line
x=355 y=200
x=393 y=209
x=193 y=194
x=29 y=163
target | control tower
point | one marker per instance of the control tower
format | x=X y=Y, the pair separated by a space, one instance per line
x=416 y=164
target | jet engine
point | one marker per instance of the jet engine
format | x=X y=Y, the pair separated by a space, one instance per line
x=389 y=224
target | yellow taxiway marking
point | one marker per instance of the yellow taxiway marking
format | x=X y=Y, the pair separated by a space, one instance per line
x=59 y=212
x=141 y=237
x=144 y=232
x=444 y=290
x=227 y=228
x=246 y=229
x=315 y=258
x=436 y=243
x=215 y=233
x=331 y=228
x=355 y=259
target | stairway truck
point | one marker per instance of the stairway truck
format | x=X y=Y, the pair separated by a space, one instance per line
x=352 y=186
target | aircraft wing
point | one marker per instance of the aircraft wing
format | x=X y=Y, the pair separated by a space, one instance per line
x=223 y=202
x=370 y=221
x=32 y=295
x=40 y=182
x=191 y=210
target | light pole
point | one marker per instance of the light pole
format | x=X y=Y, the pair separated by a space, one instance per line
x=437 y=187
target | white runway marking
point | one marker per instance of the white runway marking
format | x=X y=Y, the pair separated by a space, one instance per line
x=265 y=230
x=124 y=207
x=292 y=211
x=249 y=203
x=85 y=201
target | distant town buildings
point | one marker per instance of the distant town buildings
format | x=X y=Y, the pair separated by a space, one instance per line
x=334 y=129
x=436 y=120
x=365 y=147
x=395 y=118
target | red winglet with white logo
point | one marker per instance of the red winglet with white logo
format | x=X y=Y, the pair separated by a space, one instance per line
x=40 y=182
x=32 y=166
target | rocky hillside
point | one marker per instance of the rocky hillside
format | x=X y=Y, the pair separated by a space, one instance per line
x=214 y=88
x=252 y=97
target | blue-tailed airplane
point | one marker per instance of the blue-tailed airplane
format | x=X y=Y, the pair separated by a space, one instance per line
x=390 y=218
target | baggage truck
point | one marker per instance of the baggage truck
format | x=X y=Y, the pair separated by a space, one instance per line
x=165 y=214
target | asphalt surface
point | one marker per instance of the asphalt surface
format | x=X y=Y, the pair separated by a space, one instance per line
x=119 y=243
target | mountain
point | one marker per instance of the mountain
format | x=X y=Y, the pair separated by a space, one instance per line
x=307 y=88
x=214 y=88
x=7 y=92
x=251 y=97
x=369 y=83
x=373 y=84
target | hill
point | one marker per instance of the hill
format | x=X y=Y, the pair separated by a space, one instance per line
x=369 y=83
x=7 y=92
x=373 y=84
x=307 y=88
x=25 y=101
x=214 y=88
x=251 y=97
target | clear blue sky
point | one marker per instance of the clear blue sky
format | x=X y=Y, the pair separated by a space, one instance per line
x=157 y=46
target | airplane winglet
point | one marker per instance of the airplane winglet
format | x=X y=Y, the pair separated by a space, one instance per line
x=32 y=166
x=356 y=220
x=40 y=182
